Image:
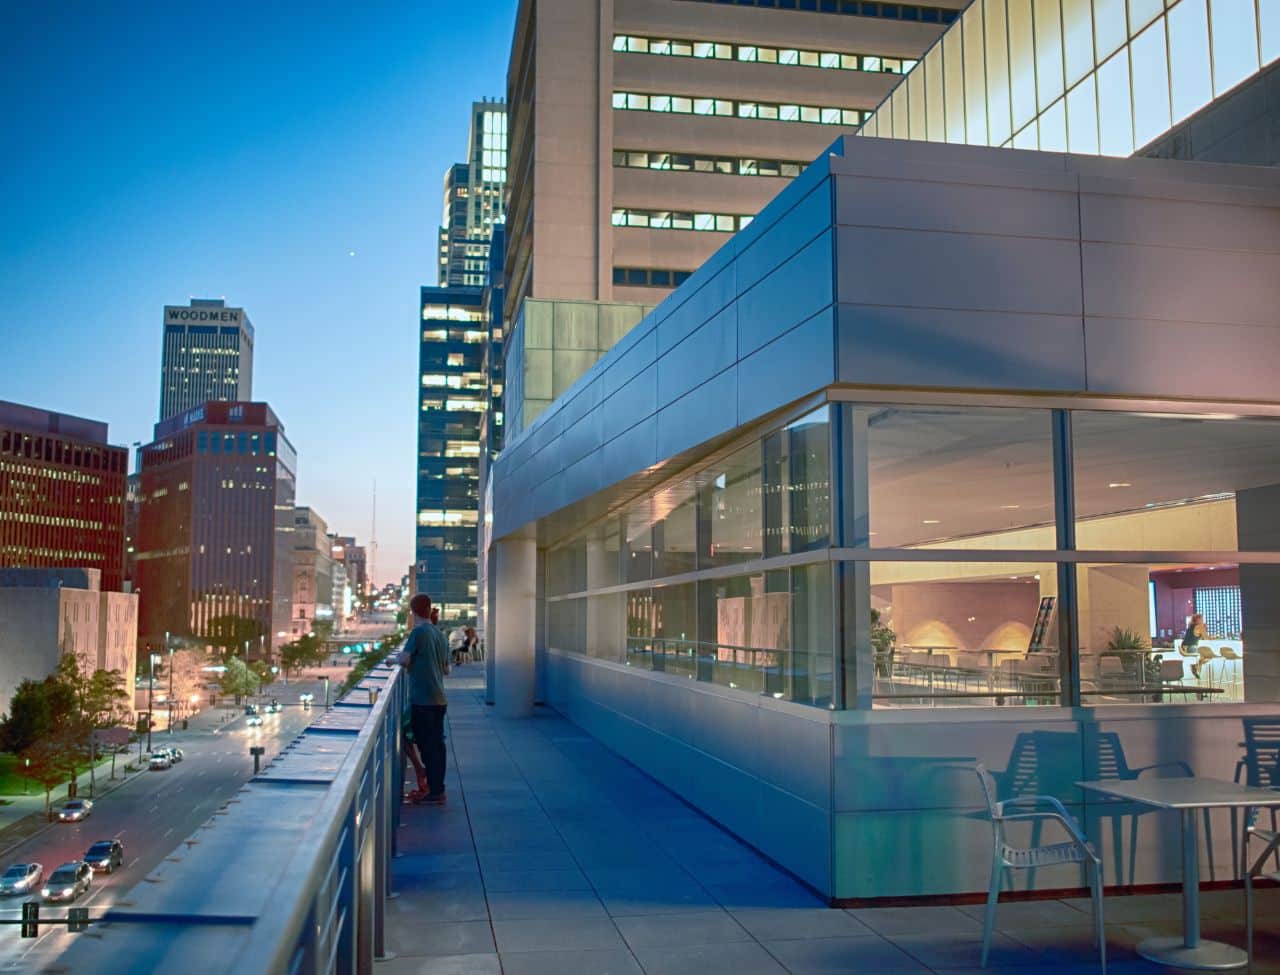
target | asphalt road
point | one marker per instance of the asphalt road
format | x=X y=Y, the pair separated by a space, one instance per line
x=151 y=815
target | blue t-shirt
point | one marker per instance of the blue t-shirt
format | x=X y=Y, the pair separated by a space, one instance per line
x=428 y=660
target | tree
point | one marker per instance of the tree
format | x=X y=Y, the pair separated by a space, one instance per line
x=29 y=717
x=50 y=760
x=238 y=680
x=106 y=705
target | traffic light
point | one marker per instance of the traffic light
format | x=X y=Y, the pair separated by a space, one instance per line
x=31 y=919
x=78 y=919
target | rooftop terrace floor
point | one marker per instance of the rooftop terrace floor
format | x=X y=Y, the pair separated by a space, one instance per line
x=554 y=856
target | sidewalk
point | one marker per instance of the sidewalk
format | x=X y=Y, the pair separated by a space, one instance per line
x=556 y=857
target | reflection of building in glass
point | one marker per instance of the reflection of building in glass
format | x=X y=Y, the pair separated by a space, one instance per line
x=208 y=355
x=474 y=198
x=1086 y=76
x=62 y=493
x=934 y=463
x=453 y=395
x=215 y=539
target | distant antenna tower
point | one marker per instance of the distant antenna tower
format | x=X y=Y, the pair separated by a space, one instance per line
x=373 y=539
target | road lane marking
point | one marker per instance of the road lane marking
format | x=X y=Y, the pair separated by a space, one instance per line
x=167 y=832
x=134 y=861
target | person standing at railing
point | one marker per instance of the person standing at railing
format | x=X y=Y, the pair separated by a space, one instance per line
x=426 y=657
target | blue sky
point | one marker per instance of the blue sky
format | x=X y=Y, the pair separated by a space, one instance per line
x=241 y=150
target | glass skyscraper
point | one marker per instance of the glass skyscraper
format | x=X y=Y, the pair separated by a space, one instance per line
x=453 y=396
x=474 y=198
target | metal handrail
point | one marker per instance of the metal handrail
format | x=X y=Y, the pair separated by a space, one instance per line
x=318 y=913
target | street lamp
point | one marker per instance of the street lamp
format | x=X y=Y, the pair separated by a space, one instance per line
x=170 y=649
x=26 y=779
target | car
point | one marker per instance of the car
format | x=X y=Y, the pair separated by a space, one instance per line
x=251 y=709
x=159 y=761
x=253 y=720
x=68 y=882
x=105 y=855
x=74 y=810
x=175 y=754
x=21 y=878
x=273 y=707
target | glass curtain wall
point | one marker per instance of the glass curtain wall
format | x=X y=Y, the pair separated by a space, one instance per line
x=904 y=556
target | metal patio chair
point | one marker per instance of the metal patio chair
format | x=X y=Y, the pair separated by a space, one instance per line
x=1005 y=856
x=1252 y=867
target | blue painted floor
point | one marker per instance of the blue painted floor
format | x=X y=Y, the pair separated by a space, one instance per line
x=554 y=856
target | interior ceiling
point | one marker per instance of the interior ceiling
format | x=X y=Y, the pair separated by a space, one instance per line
x=980 y=471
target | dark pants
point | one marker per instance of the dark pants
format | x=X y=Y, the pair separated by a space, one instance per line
x=428 y=735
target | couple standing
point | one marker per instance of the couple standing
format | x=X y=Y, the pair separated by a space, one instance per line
x=426 y=657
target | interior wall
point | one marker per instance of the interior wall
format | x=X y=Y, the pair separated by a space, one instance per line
x=967 y=616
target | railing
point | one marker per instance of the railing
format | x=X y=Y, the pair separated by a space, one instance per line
x=290 y=876
x=804 y=676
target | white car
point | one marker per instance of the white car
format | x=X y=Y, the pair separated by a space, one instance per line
x=253 y=720
x=160 y=761
x=74 y=810
x=21 y=878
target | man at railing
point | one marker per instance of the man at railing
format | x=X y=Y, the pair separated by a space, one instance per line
x=426 y=657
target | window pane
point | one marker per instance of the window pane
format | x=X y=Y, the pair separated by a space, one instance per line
x=1022 y=67
x=964 y=634
x=1269 y=25
x=918 y=111
x=975 y=83
x=1048 y=52
x=1077 y=38
x=1110 y=26
x=934 y=99
x=1142 y=13
x=1150 y=84
x=1175 y=633
x=1189 y=52
x=1082 y=117
x=675 y=533
x=731 y=497
x=953 y=63
x=1115 y=115
x=1234 y=32
x=797 y=486
x=1053 y=127
x=951 y=478
x=998 y=107
x=1178 y=484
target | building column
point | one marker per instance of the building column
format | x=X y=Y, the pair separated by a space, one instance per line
x=515 y=618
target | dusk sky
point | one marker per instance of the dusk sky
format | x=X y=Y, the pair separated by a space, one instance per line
x=159 y=152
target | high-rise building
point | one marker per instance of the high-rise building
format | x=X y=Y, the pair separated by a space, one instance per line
x=491 y=304
x=453 y=395
x=207 y=356
x=353 y=557
x=474 y=198
x=312 y=571
x=215 y=539
x=643 y=135
x=62 y=493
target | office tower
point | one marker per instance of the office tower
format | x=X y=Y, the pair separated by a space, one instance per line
x=62 y=493
x=644 y=135
x=453 y=395
x=474 y=198
x=215 y=539
x=312 y=572
x=207 y=356
x=491 y=302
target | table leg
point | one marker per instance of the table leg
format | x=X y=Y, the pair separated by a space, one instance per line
x=1190 y=951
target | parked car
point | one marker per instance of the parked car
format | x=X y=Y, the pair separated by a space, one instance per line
x=253 y=720
x=21 y=878
x=68 y=882
x=105 y=855
x=74 y=810
x=159 y=761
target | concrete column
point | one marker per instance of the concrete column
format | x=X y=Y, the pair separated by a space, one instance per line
x=515 y=623
x=490 y=555
x=606 y=624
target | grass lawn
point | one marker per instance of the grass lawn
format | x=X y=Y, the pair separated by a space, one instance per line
x=12 y=781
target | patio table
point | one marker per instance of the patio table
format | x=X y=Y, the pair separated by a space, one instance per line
x=1186 y=796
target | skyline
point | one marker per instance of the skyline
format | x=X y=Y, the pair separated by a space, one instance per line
x=315 y=201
